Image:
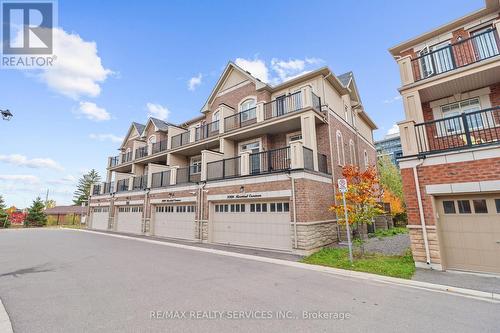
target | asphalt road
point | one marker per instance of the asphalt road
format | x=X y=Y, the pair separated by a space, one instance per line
x=69 y=281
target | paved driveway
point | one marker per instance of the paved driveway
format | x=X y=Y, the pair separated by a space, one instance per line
x=69 y=281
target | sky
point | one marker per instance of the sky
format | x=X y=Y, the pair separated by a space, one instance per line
x=120 y=61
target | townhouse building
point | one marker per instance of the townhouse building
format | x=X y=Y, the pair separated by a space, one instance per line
x=451 y=142
x=257 y=168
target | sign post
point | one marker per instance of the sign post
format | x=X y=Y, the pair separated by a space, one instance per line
x=342 y=183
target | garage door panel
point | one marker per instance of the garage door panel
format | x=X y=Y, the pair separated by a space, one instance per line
x=175 y=221
x=100 y=216
x=469 y=240
x=129 y=219
x=251 y=228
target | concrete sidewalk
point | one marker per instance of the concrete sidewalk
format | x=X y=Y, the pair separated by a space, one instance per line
x=487 y=283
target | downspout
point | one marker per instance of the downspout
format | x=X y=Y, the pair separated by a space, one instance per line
x=421 y=213
x=296 y=242
x=200 y=221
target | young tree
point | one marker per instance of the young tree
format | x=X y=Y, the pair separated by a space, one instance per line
x=36 y=216
x=50 y=203
x=361 y=197
x=4 y=216
x=390 y=177
x=82 y=192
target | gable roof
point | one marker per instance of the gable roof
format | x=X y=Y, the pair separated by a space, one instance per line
x=134 y=126
x=139 y=127
x=345 y=78
x=230 y=67
x=159 y=125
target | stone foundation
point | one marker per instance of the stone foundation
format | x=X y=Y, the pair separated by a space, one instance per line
x=418 y=246
x=315 y=235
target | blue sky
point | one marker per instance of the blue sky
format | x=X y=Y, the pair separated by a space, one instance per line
x=121 y=60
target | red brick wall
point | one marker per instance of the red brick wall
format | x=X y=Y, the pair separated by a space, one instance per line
x=232 y=98
x=461 y=172
x=313 y=200
x=495 y=94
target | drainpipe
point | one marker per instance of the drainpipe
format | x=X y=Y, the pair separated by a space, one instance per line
x=421 y=213
x=200 y=221
x=294 y=213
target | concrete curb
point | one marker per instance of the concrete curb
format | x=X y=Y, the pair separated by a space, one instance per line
x=470 y=293
x=5 y=324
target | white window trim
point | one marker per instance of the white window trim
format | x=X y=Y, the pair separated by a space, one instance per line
x=241 y=144
x=289 y=135
x=152 y=137
x=244 y=100
x=352 y=152
x=197 y=157
x=341 y=161
x=365 y=156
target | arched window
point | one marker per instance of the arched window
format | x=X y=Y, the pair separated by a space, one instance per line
x=340 y=149
x=247 y=104
x=152 y=139
x=215 y=121
x=367 y=162
x=352 y=152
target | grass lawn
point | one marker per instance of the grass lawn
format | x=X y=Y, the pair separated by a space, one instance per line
x=395 y=266
x=389 y=232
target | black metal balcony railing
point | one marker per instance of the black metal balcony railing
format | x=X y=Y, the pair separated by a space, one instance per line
x=140 y=182
x=223 y=169
x=122 y=185
x=141 y=152
x=107 y=188
x=458 y=132
x=240 y=119
x=323 y=163
x=283 y=105
x=462 y=53
x=270 y=161
x=114 y=161
x=127 y=157
x=190 y=174
x=180 y=140
x=206 y=131
x=160 y=179
x=96 y=190
x=308 y=158
x=159 y=146
x=316 y=101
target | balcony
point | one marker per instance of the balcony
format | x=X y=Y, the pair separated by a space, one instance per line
x=224 y=169
x=114 y=161
x=477 y=48
x=122 y=185
x=160 y=179
x=240 y=119
x=96 y=190
x=140 y=182
x=206 y=131
x=159 y=146
x=190 y=174
x=141 y=152
x=468 y=130
x=180 y=140
x=126 y=157
x=107 y=188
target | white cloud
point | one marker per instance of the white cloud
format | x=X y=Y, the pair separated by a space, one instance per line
x=36 y=163
x=194 y=82
x=66 y=180
x=279 y=70
x=23 y=178
x=157 y=111
x=392 y=100
x=393 y=130
x=77 y=70
x=106 y=137
x=256 y=67
x=93 y=112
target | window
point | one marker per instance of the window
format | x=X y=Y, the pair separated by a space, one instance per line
x=497 y=204
x=264 y=207
x=449 y=207
x=152 y=139
x=454 y=125
x=484 y=43
x=464 y=206
x=480 y=206
x=272 y=207
x=346 y=113
x=195 y=164
x=367 y=162
x=257 y=208
x=286 y=207
x=340 y=149
x=252 y=208
x=279 y=207
x=247 y=104
x=232 y=208
x=291 y=137
x=352 y=152
x=215 y=121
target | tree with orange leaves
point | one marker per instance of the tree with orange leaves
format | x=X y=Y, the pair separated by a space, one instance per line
x=363 y=189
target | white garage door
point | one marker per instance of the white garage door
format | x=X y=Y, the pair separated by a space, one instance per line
x=129 y=219
x=256 y=224
x=176 y=221
x=470 y=232
x=99 y=218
